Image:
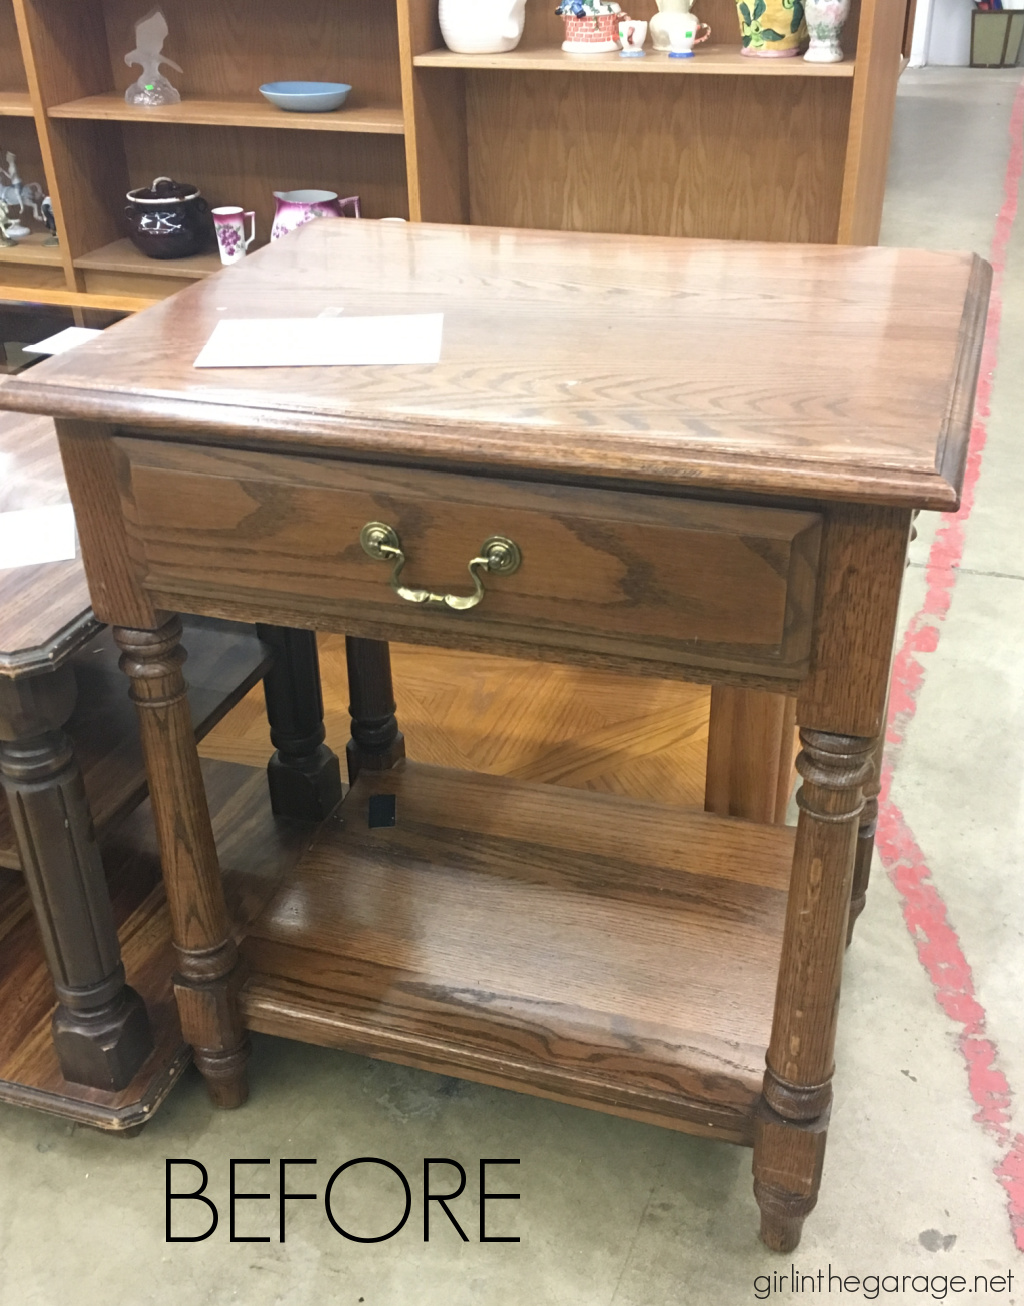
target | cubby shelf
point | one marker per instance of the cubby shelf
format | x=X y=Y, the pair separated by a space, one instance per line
x=716 y=60
x=15 y=104
x=32 y=251
x=122 y=256
x=383 y=120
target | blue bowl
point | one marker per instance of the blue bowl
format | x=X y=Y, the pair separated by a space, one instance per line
x=306 y=97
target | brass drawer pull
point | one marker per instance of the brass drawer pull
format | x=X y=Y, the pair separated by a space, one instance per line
x=498 y=554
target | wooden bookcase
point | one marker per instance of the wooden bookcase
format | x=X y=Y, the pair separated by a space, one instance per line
x=717 y=146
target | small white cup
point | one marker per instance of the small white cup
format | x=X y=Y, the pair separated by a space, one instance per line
x=632 y=35
x=229 y=223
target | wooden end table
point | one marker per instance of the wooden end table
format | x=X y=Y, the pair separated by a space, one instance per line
x=683 y=458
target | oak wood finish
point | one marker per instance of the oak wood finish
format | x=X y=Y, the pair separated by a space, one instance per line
x=596 y=894
x=206 y=954
x=383 y=119
x=511 y=420
x=866 y=837
x=713 y=60
x=744 y=780
x=862 y=320
x=695 y=583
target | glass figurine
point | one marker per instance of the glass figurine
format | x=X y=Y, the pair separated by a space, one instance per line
x=151 y=88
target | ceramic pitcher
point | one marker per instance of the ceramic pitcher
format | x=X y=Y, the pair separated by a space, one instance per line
x=481 y=26
x=662 y=20
x=297 y=207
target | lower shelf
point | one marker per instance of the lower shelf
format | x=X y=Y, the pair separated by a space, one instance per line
x=592 y=949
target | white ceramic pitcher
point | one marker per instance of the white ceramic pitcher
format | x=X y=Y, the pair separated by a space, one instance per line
x=661 y=23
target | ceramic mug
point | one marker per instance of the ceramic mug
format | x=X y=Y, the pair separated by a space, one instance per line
x=229 y=223
x=632 y=35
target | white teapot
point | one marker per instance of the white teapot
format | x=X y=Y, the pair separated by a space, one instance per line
x=481 y=26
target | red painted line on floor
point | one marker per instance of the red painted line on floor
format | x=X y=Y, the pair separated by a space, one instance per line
x=924 y=911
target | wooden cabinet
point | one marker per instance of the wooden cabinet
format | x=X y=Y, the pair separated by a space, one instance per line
x=721 y=146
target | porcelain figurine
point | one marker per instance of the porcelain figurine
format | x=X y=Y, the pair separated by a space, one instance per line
x=659 y=26
x=591 y=26
x=26 y=195
x=5 y=223
x=50 y=220
x=151 y=88
x=229 y=224
x=825 y=19
x=297 y=207
x=772 y=29
x=481 y=26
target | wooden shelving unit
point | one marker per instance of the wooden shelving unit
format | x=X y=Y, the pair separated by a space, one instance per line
x=719 y=145
x=715 y=60
x=234 y=113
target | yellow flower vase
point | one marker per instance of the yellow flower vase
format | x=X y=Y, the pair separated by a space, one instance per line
x=772 y=29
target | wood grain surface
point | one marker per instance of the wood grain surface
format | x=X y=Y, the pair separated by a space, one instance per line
x=384 y=941
x=666 y=170
x=676 y=581
x=579 y=355
x=253 y=112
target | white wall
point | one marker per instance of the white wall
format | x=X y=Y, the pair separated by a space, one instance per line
x=949 y=32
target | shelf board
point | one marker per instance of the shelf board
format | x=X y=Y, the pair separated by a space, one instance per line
x=718 y=60
x=32 y=250
x=122 y=256
x=234 y=113
x=15 y=104
x=594 y=949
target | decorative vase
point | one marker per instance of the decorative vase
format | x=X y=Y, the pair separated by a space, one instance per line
x=825 y=19
x=481 y=26
x=772 y=29
x=297 y=207
x=591 y=26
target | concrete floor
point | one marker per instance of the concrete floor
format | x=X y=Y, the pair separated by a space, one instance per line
x=616 y=1212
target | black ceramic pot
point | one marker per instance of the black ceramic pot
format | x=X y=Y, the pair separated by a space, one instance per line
x=169 y=219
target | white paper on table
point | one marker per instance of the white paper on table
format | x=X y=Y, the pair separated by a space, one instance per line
x=324 y=341
x=34 y=535
x=62 y=341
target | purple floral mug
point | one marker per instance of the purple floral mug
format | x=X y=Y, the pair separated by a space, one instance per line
x=229 y=223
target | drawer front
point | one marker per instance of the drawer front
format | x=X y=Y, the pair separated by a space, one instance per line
x=603 y=572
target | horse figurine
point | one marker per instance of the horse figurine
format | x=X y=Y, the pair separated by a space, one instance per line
x=30 y=195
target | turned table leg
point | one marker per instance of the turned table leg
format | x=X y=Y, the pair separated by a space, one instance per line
x=304 y=774
x=100 y=1028
x=866 y=839
x=792 y=1123
x=376 y=743
x=206 y=979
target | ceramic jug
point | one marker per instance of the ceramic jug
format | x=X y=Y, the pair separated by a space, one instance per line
x=661 y=22
x=297 y=207
x=481 y=26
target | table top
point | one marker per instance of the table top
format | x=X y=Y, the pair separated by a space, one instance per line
x=44 y=610
x=799 y=370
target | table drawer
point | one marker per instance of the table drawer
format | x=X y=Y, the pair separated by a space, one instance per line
x=602 y=572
